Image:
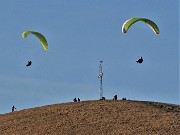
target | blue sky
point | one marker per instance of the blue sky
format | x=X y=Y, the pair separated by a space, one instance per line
x=81 y=33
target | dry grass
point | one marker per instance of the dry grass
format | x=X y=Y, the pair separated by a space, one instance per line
x=94 y=118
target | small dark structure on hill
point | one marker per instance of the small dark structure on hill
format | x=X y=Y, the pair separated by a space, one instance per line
x=123 y=98
x=103 y=98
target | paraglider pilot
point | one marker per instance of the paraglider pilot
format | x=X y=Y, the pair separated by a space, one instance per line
x=140 y=60
x=29 y=63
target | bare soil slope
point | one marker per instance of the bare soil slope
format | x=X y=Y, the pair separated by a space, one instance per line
x=94 y=118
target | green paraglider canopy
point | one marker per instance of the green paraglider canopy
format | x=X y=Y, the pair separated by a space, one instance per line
x=41 y=38
x=131 y=21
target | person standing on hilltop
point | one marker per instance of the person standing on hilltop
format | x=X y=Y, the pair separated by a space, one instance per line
x=75 y=100
x=13 y=108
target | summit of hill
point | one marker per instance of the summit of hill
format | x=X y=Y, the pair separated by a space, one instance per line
x=97 y=117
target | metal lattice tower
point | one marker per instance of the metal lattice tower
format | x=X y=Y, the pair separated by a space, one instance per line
x=100 y=75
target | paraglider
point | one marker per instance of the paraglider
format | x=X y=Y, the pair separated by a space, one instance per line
x=127 y=24
x=41 y=38
x=140 y=60
x=29 y=64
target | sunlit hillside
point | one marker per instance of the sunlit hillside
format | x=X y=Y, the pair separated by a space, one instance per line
x=101 y=117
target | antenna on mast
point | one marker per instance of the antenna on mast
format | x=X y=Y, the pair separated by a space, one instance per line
x=100 y=75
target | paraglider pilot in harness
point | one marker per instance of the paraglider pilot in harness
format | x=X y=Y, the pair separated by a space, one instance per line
x=140 y=60
x=29 y=63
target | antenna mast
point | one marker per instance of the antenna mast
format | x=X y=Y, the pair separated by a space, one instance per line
x=100 y=75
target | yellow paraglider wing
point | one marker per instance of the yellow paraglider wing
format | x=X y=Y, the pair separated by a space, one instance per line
x=41 y=38
x=127 y=24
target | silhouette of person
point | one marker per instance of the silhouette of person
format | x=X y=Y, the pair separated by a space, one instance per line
x=13 y=108
x=79 y=100
x=75 y=100
x=140 y=60
x=29 y=63
x=115 y=97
